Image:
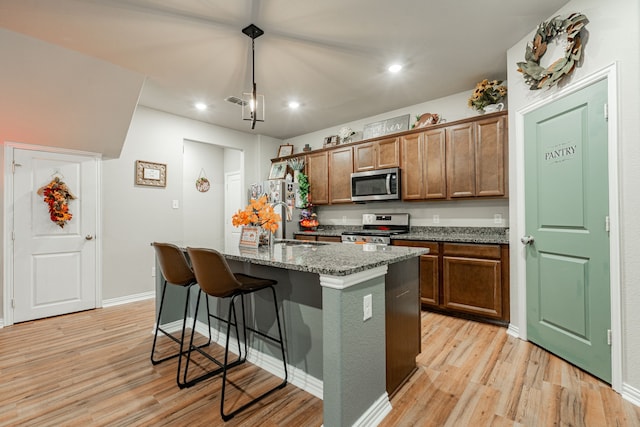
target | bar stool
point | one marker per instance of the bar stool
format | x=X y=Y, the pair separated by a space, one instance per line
x=216 y=279
x=175 y=270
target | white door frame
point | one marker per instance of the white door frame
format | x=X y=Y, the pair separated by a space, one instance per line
x=519 y=229
x=7 y=294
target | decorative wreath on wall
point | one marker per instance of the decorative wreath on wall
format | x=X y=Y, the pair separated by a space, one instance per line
x=537 y=76
x=57 y=195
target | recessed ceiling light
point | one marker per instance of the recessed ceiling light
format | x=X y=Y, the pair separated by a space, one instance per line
x=394 y=68
x=294 y=104
x=201 y=106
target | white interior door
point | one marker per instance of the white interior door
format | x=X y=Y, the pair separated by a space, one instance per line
x=233 y=192
x=54 y=267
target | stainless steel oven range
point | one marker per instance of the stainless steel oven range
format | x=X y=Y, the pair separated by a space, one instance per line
x=378 y=228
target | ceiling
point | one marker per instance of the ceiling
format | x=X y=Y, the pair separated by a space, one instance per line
x=329 y=55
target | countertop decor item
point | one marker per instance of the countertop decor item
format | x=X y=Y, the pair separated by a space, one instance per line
x=57 y=196
x=257 y=213
x=570 y=27
x=487 y=92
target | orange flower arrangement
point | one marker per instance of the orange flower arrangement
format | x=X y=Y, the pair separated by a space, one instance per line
x=57 y=195
x=258 y=213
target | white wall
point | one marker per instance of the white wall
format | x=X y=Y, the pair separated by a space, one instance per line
x=479 y=212
x=202 y=212
x=135 y=216
x=613 y=36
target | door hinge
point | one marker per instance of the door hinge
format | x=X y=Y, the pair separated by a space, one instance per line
x=606 y=111
x=609 y=337
x=13 y=303
x=607 y=224
x=13 y=235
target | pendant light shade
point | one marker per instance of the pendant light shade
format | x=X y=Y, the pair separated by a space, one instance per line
x=253 y=106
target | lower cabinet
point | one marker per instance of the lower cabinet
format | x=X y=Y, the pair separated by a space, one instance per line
x=467 y=279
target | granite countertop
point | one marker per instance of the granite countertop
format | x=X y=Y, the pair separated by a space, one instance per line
x=335 y=259
x=488 y=235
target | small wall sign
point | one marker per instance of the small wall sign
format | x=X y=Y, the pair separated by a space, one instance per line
x=151 y=174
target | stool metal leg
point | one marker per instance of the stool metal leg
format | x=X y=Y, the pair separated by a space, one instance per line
x=227 y=417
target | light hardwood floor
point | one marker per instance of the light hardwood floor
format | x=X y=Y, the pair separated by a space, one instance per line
x=92 y=369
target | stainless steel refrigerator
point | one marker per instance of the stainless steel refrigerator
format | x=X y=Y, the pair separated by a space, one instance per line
x=282 y=195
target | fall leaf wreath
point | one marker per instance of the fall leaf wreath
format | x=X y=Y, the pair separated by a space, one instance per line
x=537 y=76
x=57 y=195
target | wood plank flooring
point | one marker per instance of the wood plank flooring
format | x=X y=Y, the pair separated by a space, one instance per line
x=92 y=369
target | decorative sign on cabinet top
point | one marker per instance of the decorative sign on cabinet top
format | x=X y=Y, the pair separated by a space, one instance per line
x=386 y=127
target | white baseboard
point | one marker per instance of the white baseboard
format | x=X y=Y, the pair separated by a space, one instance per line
x=1 y=323
x=129 y=298
x=376 y=412
x=513 y=330
x=296 y=376
x=631 y=394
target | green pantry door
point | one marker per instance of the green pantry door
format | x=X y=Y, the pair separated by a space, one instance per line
x=566 y=210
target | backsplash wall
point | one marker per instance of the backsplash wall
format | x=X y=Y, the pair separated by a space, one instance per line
x=456 y=213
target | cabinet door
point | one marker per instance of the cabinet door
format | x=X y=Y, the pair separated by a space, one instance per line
x=490 y=157
x=460 y=155
x=340 y=169
x=412 y=167
x=429 y=280
x=388 y=153
x=472 y=285
x=434 y=164
x=318 y=175
x=364 y=157
x=306 y=237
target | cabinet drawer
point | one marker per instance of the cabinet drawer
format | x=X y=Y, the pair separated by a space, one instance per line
x=310 y=237
x=472 y=250
x=334 y=239
x=433 y=246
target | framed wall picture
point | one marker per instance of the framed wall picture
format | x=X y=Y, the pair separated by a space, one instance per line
x=285 y=150
x=151 y=174
x=249 y=236
x=278 y=170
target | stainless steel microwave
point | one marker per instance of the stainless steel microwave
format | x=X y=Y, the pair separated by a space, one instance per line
x=382 y=184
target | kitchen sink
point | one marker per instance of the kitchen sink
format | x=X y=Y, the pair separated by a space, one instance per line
x=301 y=243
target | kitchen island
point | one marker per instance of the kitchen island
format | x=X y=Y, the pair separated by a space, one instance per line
x=334 y=349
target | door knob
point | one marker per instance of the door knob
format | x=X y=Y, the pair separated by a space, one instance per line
x=88 y=237
x=527 y=240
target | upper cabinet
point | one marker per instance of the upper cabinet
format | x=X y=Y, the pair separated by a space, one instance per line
x=329 y=175
x=476 y=158
x=317 y=165
x=423 y=165
x=340 y=168
x=447 y=161
x=381 y=154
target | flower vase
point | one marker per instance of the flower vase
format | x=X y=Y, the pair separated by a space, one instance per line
x=493 y=108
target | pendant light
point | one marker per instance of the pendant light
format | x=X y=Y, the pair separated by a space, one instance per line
x=253 y=103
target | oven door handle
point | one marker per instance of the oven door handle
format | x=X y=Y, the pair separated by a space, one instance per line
x=388 y=183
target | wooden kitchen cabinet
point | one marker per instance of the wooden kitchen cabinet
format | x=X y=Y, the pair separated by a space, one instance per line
x=423 y=165
x=317 y=166
x=476 y=157
x=381 y=154
x=472 y=279
x=318 y=238
x=464 y=279
x=340 y=169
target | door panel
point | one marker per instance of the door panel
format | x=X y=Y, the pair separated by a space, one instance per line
x=566 y=201
x=54 y=267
